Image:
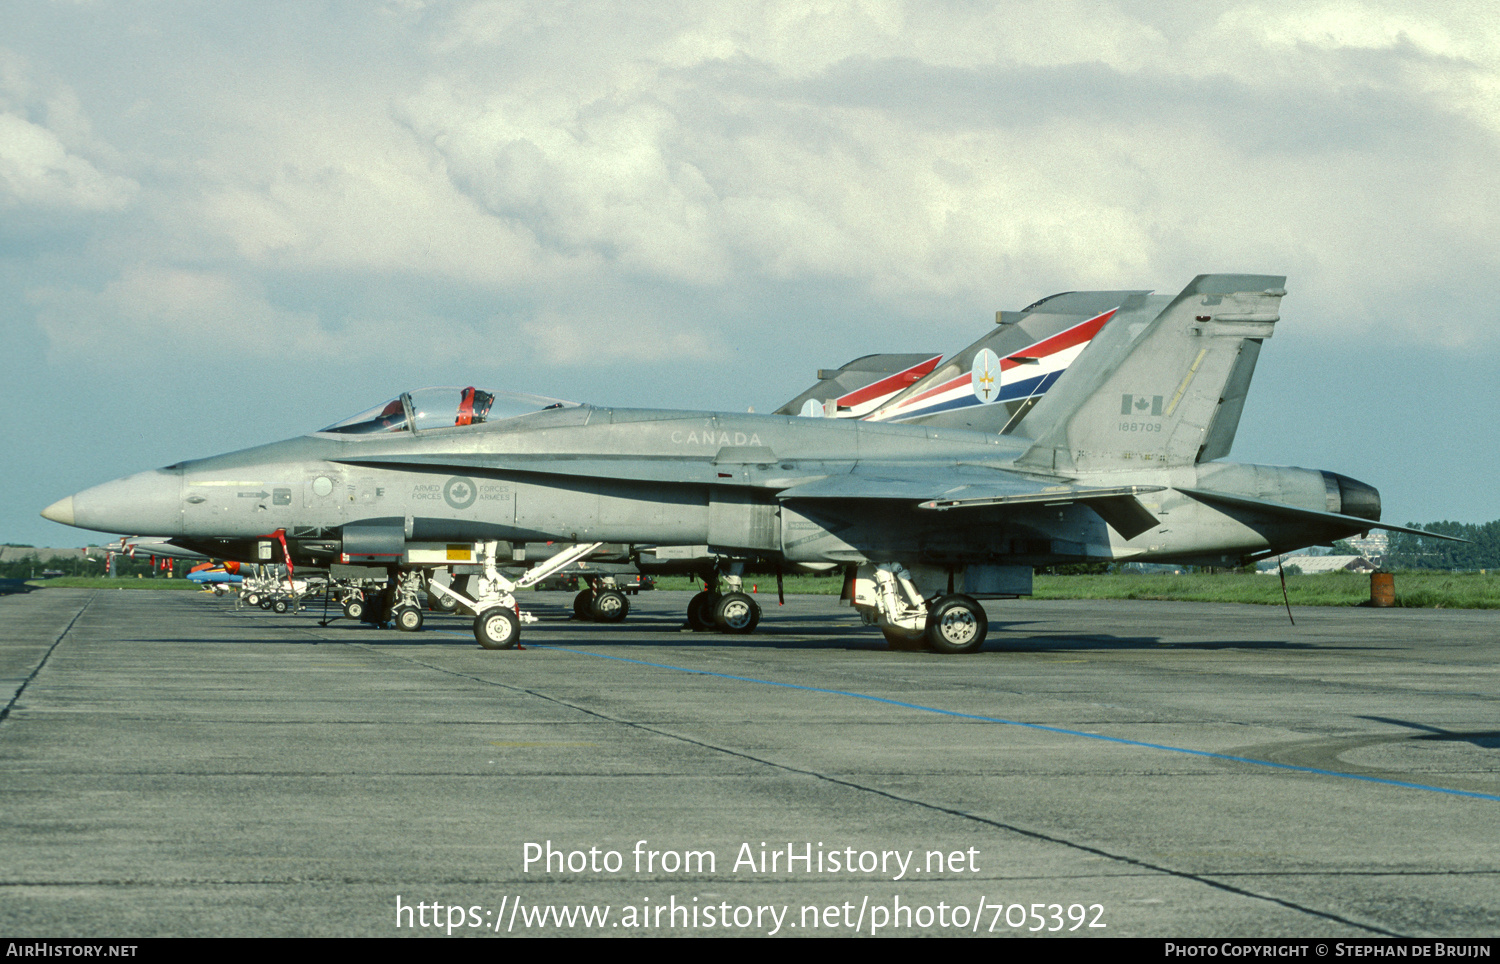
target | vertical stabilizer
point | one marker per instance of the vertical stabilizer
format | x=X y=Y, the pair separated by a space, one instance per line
x=1169 y=394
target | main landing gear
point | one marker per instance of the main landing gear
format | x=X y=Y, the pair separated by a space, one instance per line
x=726 y=608
x=887 y=596
x=601 y=602
x=956 y=624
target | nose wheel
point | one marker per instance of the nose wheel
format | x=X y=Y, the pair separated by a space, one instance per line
x=736 y=614
x=408 y=619
x=497 y=629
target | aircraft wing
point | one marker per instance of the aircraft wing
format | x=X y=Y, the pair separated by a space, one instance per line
x=936 y=491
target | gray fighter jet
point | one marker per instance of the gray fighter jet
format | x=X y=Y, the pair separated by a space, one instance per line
x=1120 y=460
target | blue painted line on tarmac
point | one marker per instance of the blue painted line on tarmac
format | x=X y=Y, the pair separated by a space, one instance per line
x=1034 y=726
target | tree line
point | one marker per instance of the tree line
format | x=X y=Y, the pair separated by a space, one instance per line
x=1482 y=551
x=28 y=567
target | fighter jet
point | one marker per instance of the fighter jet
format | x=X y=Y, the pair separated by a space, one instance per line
x=858 y=387
x=1015 y=364
x=1039 y=342
x=1121 y=459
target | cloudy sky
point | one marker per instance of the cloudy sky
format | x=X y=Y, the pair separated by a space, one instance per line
x=224 y=224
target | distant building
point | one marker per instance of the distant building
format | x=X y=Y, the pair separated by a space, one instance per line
x=1320 y=564
x=1373 y=546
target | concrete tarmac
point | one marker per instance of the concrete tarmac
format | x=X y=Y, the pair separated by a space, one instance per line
x=170 y=765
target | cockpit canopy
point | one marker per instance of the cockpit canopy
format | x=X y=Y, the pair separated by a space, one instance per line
x=446 y=407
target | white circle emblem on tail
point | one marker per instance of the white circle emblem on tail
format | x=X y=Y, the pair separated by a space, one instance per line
x=985 y=376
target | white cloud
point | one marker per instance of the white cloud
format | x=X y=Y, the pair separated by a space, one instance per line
x=569 y=341
x=36 y=170
x=153 y=312
x=919 y=156
x=45 y=144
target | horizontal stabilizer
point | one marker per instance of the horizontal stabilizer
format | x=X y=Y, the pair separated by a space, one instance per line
x=1352 y=522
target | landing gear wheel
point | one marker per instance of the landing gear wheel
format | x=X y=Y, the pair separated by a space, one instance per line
x=279 y=606
x=253 y=599
x=609 y=606
x=354 y=608
x=408 y=618
x=497 y=629
x=700 y=611
x=265 y=604
x=583 y=605
x=898 y=641
x=736 y=613
x=439 y=603
x=957 y=624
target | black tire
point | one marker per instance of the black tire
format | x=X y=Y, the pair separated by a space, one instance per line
x=583 y=605
x=609 y=606
x=265 y=604
x=497 y=629
x=957 y=624
x=439 y=603
x=253 y=599
x=898 y=641
x=408 y=619
x=279 y=606
x=736 y=614
x=354 y=608
x=700 y=611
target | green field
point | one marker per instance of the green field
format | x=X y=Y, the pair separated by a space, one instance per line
x=1427 y=590
x=1424 y=590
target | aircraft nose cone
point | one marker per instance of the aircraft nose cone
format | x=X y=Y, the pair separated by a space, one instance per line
x=60 y=511
x=144 y=504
